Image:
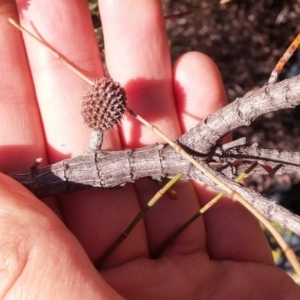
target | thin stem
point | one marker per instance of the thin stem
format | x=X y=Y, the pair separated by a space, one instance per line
x=137 y=218
x=96 y=140
x=288 y=251
x=201 y=212
x=283 y=60
x=55 y=53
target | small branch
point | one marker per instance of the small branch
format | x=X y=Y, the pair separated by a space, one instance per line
x=110 y=169
x=199 y=213
x=135 y=221
x=242 y=111
x=266 y=207
x=281 y=161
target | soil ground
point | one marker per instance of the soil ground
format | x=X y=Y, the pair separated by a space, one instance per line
x=245 y=39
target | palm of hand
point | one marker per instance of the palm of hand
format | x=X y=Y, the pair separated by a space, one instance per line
x=222 y=255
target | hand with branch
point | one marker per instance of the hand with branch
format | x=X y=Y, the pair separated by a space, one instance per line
x=52 y=252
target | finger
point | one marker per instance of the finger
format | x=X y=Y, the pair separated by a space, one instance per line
x=95 y=217
x=58 y=89
x=21 y=134
x=169 y=215
x=21 y=130
x=137 y=55
x=34 y=245
x=198 y=88
x=231 y=231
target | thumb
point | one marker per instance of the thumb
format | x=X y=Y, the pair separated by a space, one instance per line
x=39 y=257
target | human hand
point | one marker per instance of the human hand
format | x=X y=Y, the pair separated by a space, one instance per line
x=51 y=255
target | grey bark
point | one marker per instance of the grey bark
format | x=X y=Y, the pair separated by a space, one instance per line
x=242 y=111
x=107 y=169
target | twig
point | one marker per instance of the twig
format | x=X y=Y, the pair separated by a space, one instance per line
x=135 y=221
x=283 y=60
x=200 y=212
x=281 y=161
x=288 y=251
x=241 y=112
x=106 y=169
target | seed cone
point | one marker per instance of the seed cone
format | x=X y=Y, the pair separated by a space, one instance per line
x=104 y=104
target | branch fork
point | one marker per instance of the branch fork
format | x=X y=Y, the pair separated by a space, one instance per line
x=192 y=155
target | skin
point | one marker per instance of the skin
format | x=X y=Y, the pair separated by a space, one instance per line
x=47 y=248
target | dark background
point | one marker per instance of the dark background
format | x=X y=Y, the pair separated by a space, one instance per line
x=245 y=39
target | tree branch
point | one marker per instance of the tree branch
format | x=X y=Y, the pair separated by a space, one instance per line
x=242 y=111
x=104 y=169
